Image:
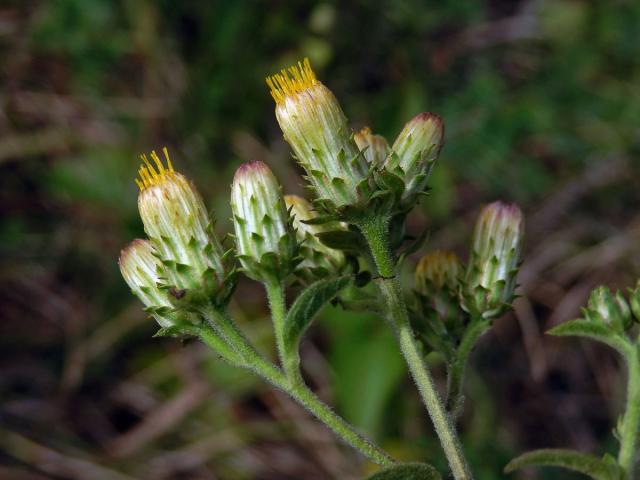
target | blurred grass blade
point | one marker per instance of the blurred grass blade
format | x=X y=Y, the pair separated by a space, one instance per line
x=407 y=471
x=590 y=465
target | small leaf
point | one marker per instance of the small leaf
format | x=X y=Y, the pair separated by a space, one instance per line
x=306 y=306
x=407 y=471
x=590 y=329
x=590 y=465
x=342 y=240
x=178 y=331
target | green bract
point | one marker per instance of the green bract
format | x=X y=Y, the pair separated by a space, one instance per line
x=318 y=260
x=611 y=309
x=490 y=278
x=265 y=240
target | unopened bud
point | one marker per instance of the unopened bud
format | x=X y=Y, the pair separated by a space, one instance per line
x=316 y=128
x=142 y=270
x=266 y=243
x=319 y=260
x=415 y=151
x=374 y=147
x=176 y=220
x=611 y=309
x=436 y=271
x=495 y=257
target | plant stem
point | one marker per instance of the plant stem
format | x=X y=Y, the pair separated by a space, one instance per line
x=457 y=369
x=630 y=428
x=278 y=306
x=297 y=390
x=375 y=230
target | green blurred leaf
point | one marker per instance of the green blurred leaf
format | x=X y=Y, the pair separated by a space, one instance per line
x=590 y=329
x=407 y=471
x=590 y=465
x=306 y=306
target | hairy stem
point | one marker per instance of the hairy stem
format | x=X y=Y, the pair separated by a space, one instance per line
x=458 y=367
x=277 y=303
x=296 y=389
x=630 y=427
x=376 y=233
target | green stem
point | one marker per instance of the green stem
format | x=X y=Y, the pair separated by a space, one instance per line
x=630 y=428
x=376 y=233
x=298 y=391
x=278 y=306
x=458 y=367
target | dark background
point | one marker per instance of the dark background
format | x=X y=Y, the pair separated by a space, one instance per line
x=541 y=106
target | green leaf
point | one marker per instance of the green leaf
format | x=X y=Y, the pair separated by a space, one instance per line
x=590 y=329
x=178 y=331
x=343 y=240
x=590 y=465
x=407 y=471
x=306 y=306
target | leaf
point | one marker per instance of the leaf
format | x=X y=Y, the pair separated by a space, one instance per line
x=343 y=240
x=590 y=329
x=590 y=465
x=306 y=306
x=178 y=331
x=407 y=471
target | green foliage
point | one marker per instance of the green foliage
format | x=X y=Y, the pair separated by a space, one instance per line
x=407 y=471
x=590 y=465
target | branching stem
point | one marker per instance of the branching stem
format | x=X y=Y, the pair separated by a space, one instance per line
x=630 y=427
x=375 y=230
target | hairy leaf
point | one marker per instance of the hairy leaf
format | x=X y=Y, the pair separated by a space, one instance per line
x=407 y=471
x=590 y=329
x=307 y=305
x=590 y=465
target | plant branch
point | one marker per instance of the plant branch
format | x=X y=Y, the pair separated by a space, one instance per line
x=630 y=427
x=297 y=390
x=375 y=230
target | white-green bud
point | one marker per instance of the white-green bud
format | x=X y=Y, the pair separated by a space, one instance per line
x=374 y=147
x=317 y=130
x=611 y=309
x=414 y=153
x=176 y=221
x=143 y=271
x=318 y=260
x=265 y=240
x=490 y=279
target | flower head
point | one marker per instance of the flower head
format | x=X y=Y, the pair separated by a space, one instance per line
x=415 y=151
x=266 y=243
x=438 y=270
x=176 y=221
x=634 y=301
x=495 y=257
x=316 y=128
x=319 y=260
x=143 y=272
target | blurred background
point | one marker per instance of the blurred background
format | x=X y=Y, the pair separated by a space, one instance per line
x=541 y=106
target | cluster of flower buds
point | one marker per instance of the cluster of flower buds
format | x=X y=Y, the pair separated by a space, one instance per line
x=183 y=252
x=609 y=308
x=318 y=260
x=490 y=279
x=265 y=238
x=634 y=301
x=352 y=173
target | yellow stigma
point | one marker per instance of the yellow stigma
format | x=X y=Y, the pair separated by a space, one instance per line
x=150 y=175
x=291 y=81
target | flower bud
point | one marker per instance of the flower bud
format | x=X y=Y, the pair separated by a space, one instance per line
x=142 y=270
x=436 y=271
x=265 y=238
x=612 y=310
x=374 y=147
x=634 y=301
x=176 y=221
x=415 y=151
x=317 y=130
x=318 y=260
x=495 y=256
